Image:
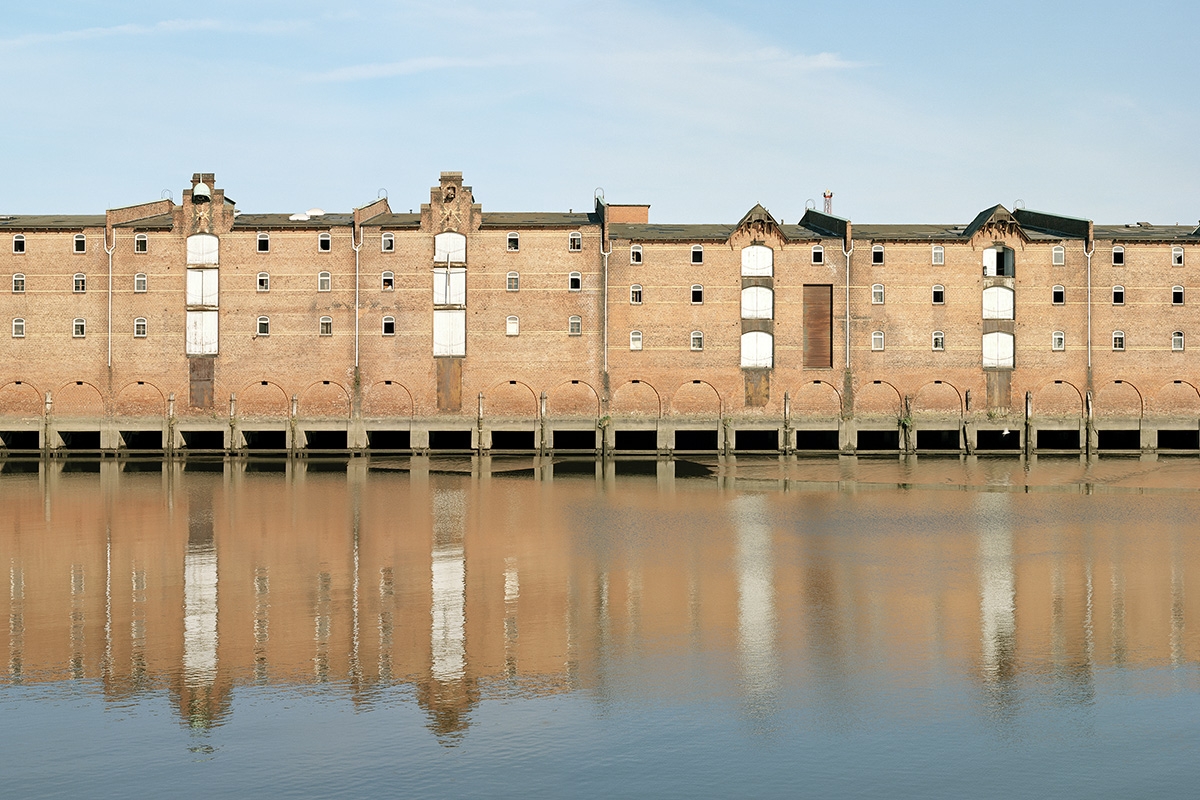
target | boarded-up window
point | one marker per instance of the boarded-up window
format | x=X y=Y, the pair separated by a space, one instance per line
x=201 y=333
x=997 y=350
x=202 y=287
x=758 y=302
x=757 y=349
x=449 y=287
x=449 y=333
x=450 y=247
x=202 y=249
x=997 y=303
x=818 y=325
x=757 y=261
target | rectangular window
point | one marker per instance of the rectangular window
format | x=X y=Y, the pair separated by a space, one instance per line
x=264 y=243
x=1058 y=341
x=18 y=328
x=449 y=333
x=635 y=340
x=939 y=294
x=575 y=326
x=141 y=243
x=80 y=243
x=697 y=340
x=324 y=243
x=389 y=326
x=264 y=326
x=1058 y=295
x=80 y=283
x=513 y=282
x=324 y=282
x=512 y=326
x=1118 y=295
x=139 y=328
x=78 y=328
x=139 y=282
x=877 y=254
x=877 y=294
x=388 y=281
x=19 y=244
x=575 y=242
x=449 y=286
x=1118 y=339
x=264 y=282
x=326 y=327
x=939 y=340
x=698 y=254
x=939 y=254
x=574 y=282
x=635 y=295
x=877 y=340
x=18 y=283
x=387 y=243
x=1118 y=256
x=697 y=294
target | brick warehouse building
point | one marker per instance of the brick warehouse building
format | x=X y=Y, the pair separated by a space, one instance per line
x=194 y=326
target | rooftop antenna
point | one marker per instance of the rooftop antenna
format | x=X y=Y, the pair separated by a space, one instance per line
x=828 y=202
x=381 y=194
x=1019 y=203
x=165 y=194
x=810 y=204
x=598 y=194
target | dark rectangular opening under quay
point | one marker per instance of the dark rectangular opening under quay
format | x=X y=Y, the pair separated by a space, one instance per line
x=1179 y=440
x=204 y=440
x=998 y=440
x=1054 y=439
x=142 y=440
x=574 y=440
x=816 y=440
x=80 y=440
x=19 y=440
x=513 y=440
x=1119 y=440
x=696 y=440
x=389 y=440
x=265 y=440
x=325 y=440
x=879 y=440
x=637 y=440
x=937 y=440
x=449 y=440
x=756 y=440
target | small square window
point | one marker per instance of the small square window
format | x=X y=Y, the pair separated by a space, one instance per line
x=697 y=254
x=326 y=326
x=324 y=282
x=635 y=254
x=139 y=328
x=575 y=242
x=818 y=254
x=388 y=281
x=264 y=282
x=324 y=243
x=264 y=326
x=635 y=295
x=512 y=283
x=78 y=328
x=80 y=243
x=139 y=282
x=939 y=294
x=697 y=294
x=514 y=242
x=1176 y=295
x=877 y=254
x=939 y=254
x=18 y=283
x=697 y=340
x=80 y=283
x=18 y=328
x=389 y=326
x=141 y=243
x=939 y=340
x=1058 y=341
x=574 y=282
x=1058 y=295
x=387 y=243
x=575 y=326
x=264 y=243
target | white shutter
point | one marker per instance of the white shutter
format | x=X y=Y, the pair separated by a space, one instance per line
x=202 y=249
x=449 y=333
x=458 y=287
x=997 y=303
x=450 y=247
x=449 y=286
x=201 y=333
x=757 y=261
x=202 y=287
x=989 y=261
x=997 y=349
x=441 y=287
x=757 y=349
x=757 y=303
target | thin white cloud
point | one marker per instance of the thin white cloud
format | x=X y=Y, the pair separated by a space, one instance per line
x=165 y=27
x=410 y=66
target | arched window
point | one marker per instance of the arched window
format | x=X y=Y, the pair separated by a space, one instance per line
x=387 y=243
x=939 y=294
x=635 y=340
x=758 y=302
x=1118 y=295
x=757 y=350
x=18 y=328
x=1118 y=256
x=78 y=328
x=141 y=243
x=79 y=281
x=997 y=302
x=324 y=242
x=877 y=254
x=264 y=282
x=635 y=295
x=1058 y=341
x=697 y=340
x=574 y=282
x=635 y=254
x=139 y=282
x=19 y=243
x=264 y=243
x=139 y=328
x=388 y=281
x=939 y=341
x=697 y=294
x=80 y=243
x=939 y=255
x=1176 y=295
x=1058 y=295
x=1176 y=256
x=1177 y=341
x=575 y=242
x=324 y=281
x=818 y=254
x=877 y=340
x=326 y=328
x=389 y=326
x=512 y=282
x=514 y=242
x=18 y=285
x=203 y=248
x=1118 y=340
x=264 y=326
x=697 y=254
x=512 y=326
x=757 y=261
x=450 y=247
x=877 y=294
x=1058 y=255
x=997 y=350
x=575 y=326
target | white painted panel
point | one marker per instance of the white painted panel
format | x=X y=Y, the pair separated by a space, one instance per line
x=997 y=303
x=201 y=333
x=450 y=247
x=998 y=349
x=202 y=249
x=449 y=333
x=758 y=302
x=202 y=287
x=757 y=350
x=989 y=261
x=200 y=614
x=757 y=261
x=449 y=287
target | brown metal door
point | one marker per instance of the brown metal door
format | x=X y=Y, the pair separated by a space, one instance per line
x=818 y=325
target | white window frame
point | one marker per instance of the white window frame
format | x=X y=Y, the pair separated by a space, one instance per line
x=1118 y=290
x=1118 y=341
x=387 y=243
x=324 y=281
x=575 y=325
x=139 y=328
x=384 y=326
x=512 y=325
x=263 y=242
x=697 y=340
x=877 y=294
x=141 y=243
x=1058 y=256
x=818 y=254
x=19 y=239
x=1177 y=290
x=877 y=257
x=80 y=244
x=635 y=254
x=1059 y=291
x=79 y=283
x=575 y=242
x=1058 y=341
x=263 y=326
x=18 y=283
x=938 y=288
x=18 y=328
x=139 y=283
x=635 y=340
x=697 y=289
x=697 y=254
x=387 y=281
x=78 y=328
x=325 y=326
x=635 y=294
x=513 y=242
x=1177 y=342
x=324 y=243
x=1176 y=256
x=877 y=341
x=263 y=281
x=1118 y=256
x=575 y=282
x=938 y=255
x=939 y=341
x=512 y=282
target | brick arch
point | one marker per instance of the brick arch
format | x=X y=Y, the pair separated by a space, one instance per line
x=1176 y=399
x=815 y=399
x=636 y=399
x=21 y=400
x=1057 y=399
x=573 y=398
x=78 y=399
x=1118 y=400
x=259 y=400
x=387 y=399
x=325 y=399
x=877 y=398
x=140 y=400
x=511 y=399
x=937 y=398
x=696 y=397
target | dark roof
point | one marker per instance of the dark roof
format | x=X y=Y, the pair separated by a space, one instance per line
x=1146 y=232
x=394 y=221
x=930 y=233
x=52 y=221
x=547 y=219
x=284 y=221
x=159 y=222
x=670 y=233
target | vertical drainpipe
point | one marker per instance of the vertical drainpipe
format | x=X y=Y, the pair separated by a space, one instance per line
x=356 y=248
x=109 y=251
x=847 y=383
x=1089 y=247
x=604 y=325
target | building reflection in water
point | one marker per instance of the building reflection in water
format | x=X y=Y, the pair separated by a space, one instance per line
x=455 y=589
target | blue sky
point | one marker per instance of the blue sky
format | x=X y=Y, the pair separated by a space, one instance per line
x=914 y=112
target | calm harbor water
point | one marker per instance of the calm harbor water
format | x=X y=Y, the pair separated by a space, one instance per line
x=466 y=628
